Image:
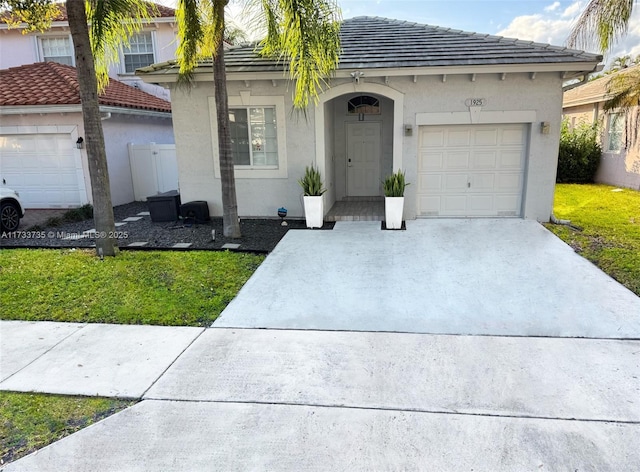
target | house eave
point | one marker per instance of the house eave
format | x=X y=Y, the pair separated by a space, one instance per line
x=168 y=72
x=61 y=109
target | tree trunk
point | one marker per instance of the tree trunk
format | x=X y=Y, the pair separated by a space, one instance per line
x=93 y=135
x=230 y=223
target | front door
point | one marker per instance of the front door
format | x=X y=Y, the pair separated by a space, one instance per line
x=363 y=159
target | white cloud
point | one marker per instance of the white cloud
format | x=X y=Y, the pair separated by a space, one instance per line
x=554 y=6
x=572 y=10
x=539 y=28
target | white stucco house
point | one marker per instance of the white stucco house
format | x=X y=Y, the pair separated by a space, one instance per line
x=620 y=164
x=41 y=131
x=473 y=119
x=156 y=42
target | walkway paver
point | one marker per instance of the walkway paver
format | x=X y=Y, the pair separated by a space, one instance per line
x=22 y=342
x=98 y=359
x=195 y=436
x=494 y=277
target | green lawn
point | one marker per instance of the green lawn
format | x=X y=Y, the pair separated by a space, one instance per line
x=610 y=222
x=31 y=421
x=156 y=287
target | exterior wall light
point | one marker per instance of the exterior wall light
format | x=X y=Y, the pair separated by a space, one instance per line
x=79 y=143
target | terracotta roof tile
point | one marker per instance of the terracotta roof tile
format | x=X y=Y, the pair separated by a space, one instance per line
x=50 y=83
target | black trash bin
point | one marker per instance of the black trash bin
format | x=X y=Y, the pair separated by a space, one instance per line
x=195 y=212
x=164 y=206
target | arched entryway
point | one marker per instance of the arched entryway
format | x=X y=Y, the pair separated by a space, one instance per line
x=358 y=143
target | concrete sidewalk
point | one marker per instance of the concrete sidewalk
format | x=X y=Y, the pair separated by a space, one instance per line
x=509 y=388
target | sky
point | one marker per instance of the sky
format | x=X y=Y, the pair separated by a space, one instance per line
x=544 y=21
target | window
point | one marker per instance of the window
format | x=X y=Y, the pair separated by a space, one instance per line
x=364 y=104
x=139 y=53
x=254 y=136
x=615 y=131
x=56 y=49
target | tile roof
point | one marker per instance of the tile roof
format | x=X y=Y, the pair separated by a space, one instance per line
x=50 y=83
x=162 y=12
x=594 y=90
x=373 y=42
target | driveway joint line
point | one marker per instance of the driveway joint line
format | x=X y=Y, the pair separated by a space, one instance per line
x=400 y=410
x=516 y=336
x=171 y=364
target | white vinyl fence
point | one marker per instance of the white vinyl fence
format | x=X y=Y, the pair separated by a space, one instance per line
x=154 y=169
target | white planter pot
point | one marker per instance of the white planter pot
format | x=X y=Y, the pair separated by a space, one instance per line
x=313 y=211
x=393 y=208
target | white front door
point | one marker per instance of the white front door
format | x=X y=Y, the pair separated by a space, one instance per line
x=363 y=159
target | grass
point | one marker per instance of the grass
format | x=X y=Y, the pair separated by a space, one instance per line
x=610 y=223
x=155 y=287
x=31 y=421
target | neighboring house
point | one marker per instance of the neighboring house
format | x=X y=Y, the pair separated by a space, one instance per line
x=473 y=119
x=155 y=43
x=41 y=124
x=585 y=104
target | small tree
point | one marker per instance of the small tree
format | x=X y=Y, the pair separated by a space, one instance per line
x=579 y=154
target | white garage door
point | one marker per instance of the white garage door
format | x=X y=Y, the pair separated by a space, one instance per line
x=43 y=168
x=471 y=170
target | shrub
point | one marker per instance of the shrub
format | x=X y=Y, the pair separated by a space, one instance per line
x=311 y=183
x=394 y=185
x=579 y=154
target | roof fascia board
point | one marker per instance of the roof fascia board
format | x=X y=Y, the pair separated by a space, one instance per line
x=203 y=74
x=39 y=109
x=56 y=109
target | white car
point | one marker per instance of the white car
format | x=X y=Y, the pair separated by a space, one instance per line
x=11 y=209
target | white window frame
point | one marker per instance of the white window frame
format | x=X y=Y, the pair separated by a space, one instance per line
x=251 y=151
x=610 y=119
x=246 y=100
x=40 y=37
x=123 y=68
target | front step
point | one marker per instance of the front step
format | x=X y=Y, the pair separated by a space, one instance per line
x=362 y=209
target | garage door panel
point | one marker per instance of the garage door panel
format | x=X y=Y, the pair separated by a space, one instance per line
x=510 y=158
x=457 y=159
x=432 y=138
x=454 y=205
x=430 y=183
x=455 y=182
x=43 y=168
x=513 y=136
x=484 y=178
x=486 y=137
x=458 y=138
x=431 y=161
x=484 y=159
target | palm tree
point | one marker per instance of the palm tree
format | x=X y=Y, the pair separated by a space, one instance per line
x=303 y=33
x=112 y=22
x=603 y=22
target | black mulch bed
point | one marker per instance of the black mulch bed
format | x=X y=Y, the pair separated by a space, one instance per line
x=258 y=235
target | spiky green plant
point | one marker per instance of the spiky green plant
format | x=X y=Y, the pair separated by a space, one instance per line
x=311 y=183
x=395 y=184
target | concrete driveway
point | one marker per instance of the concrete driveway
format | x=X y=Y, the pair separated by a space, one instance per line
x=450 y=346
x=487 y=277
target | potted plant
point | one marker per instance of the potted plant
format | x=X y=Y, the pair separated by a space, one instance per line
x=394 y=186
x=311 y=184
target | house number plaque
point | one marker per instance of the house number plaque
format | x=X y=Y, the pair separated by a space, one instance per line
x=475 y=102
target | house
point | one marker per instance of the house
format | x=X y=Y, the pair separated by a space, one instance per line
x=473 y=119
x=41 y=134
x=156 y=42
x=585 y=104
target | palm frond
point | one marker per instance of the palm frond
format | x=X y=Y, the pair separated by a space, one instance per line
x=600 y=24
x=111 y=25
x=624 y=91
x=305 y=35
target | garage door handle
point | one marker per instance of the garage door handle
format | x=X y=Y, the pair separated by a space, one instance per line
x=468 y=184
